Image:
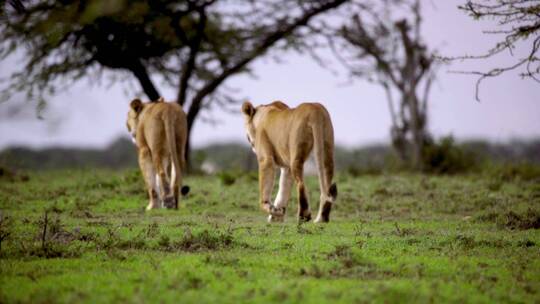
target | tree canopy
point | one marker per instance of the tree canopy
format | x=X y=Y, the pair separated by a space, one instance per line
x=192 y=46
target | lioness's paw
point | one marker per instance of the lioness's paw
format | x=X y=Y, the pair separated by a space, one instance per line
x=276 y=219
x=151 y=206
x=320 y=219
x=305 y=217
x=169 y=202
x=279 y=212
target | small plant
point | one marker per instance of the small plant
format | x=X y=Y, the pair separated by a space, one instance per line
x=402 y=231
x=44 y=223
x=222 y=260
x=494 y=185
x=152 y=230
x=340 y=251
x=301 y=230
x=227 y=178
x=164 y=241
x=192 y=281
x=529 y=219
x=513 y=220
x=54 y=241
x=5 y=228
x=205 y=240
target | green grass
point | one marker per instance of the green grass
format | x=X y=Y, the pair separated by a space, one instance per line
x=392 y=238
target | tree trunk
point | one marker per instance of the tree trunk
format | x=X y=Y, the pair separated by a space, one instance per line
x=397 y=131
x=399 y=143
x=189 y=167
x=417 y=130
x=191 y=115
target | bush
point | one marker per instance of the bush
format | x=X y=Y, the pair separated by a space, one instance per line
x=227 y=178
x=444 y=157
x=523 y=171
x=521 y=221
x=513 y=219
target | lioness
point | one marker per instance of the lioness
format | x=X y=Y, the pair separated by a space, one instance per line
x=159 y=130
x=284 y=137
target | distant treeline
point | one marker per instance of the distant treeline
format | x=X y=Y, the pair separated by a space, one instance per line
x=235 y=156
x=119 y=154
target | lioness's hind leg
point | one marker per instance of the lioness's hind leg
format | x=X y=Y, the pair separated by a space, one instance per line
x=147 y=168
x=324 y=154
x=266 y=184
x=328 y=195
x=304 y=214
x=163 y=182
x=176 y=181
x=325 y=206
x=282 y=198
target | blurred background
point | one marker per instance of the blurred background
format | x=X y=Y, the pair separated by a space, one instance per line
x=431 y=86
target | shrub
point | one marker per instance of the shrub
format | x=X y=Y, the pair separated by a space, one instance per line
x=514 y=220
x=201 y=241
x=521 y=221
x=444 y=157
x=523 y=171
x=227 y=178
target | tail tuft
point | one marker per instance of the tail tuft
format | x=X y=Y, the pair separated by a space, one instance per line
x=333 y=191
x=184 y=190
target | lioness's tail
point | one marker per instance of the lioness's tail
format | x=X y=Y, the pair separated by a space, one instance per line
x=323 y=137
x=170 y=134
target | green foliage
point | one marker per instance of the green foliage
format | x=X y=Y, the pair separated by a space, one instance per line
x=227 y=178
x=82 y=35
x=445 y=157
x=521 y=220
x=203 y=241
x=5 y=229
x=203 y=42
x=509 y=171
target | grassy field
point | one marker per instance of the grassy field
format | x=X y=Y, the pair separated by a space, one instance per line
x=82 y=236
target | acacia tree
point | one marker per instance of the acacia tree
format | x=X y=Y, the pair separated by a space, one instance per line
x=391 y=53
x=517 y=22
x=193 y=46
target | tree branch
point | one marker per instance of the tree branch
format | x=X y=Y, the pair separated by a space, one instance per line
x=517 y=20
x=189 y=67
x=369 y=45
x=269 y=41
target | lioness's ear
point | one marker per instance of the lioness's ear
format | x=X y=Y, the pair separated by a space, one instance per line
x=248 y=109
x=161 y=99
x=136 y=105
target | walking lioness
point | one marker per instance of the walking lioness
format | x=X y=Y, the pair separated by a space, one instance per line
x=284 y=137
x=159 y=130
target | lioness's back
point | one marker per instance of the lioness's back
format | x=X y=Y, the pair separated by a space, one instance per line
x=294 y=121
x=162 y=109
x=313 y=110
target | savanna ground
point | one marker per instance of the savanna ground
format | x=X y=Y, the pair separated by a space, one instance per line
x=82 y=236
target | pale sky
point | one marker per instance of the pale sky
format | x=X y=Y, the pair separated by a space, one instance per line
x=93 y=116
